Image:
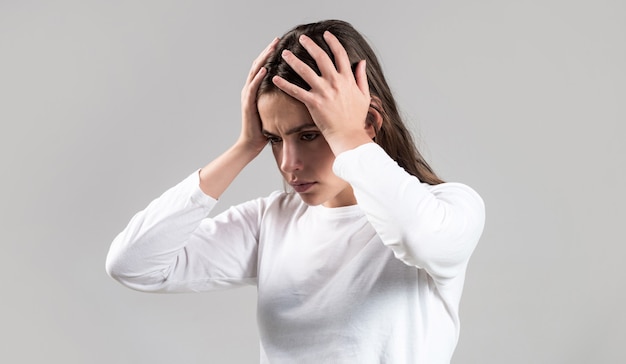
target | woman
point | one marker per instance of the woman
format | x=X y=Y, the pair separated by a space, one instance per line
x=364 y=261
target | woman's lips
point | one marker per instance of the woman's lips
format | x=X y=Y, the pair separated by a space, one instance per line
x=302 y=187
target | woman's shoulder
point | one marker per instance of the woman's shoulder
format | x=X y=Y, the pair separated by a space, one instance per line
x=457 y=192
x=278 y=205
x=284 y=199
x=277 y=201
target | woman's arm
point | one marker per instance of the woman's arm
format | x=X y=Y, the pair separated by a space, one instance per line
x=171 y=246
x=431 y=227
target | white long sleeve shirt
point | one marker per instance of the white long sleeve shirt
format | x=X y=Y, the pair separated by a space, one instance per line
x=377 y=282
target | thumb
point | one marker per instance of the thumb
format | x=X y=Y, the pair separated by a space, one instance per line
x=361 y=77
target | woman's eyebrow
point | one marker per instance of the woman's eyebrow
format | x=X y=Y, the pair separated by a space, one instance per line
x=293 y=130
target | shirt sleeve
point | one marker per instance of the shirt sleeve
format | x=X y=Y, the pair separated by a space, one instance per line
x=431 y=227
x=172 y=246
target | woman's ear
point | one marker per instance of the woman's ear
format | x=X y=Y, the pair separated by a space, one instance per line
x=374 y=120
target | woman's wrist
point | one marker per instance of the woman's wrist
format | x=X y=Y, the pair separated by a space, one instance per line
x=341 y=142
x=216 y=176
x=248 y=149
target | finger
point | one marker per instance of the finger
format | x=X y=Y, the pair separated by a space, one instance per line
x=292 y=90
x=256 y=82
x=342 y=61
x=301 y=68
x=361 y=77
x=322 y=59
x=248 y=93
x=262 y=58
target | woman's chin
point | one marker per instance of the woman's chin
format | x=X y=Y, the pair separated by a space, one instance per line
x=310 y=199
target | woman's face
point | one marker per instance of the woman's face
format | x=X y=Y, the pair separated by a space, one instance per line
x=304 y=158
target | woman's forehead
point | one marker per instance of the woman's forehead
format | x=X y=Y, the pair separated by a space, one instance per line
x=282 y=114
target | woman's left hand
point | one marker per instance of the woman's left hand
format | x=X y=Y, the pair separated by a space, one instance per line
x=338 y=100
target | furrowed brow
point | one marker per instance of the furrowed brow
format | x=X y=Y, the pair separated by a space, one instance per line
x=293 y=130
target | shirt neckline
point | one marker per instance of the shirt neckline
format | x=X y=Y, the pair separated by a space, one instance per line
x=337 y=212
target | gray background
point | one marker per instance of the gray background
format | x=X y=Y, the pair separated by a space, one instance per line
x=106 y=104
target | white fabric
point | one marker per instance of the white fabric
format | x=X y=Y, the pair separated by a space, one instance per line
x=377 y=282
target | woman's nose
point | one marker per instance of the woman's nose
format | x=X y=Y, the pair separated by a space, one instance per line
x=291 y=160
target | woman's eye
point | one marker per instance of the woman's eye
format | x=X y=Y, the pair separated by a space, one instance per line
x=273 y=140
x=309 y=136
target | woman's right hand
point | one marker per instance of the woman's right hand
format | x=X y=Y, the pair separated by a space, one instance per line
x=251 y=131
x=216 y=176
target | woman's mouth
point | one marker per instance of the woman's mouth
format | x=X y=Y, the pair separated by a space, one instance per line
x=302 y=187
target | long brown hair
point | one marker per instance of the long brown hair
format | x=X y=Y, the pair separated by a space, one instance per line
x=393 y=136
